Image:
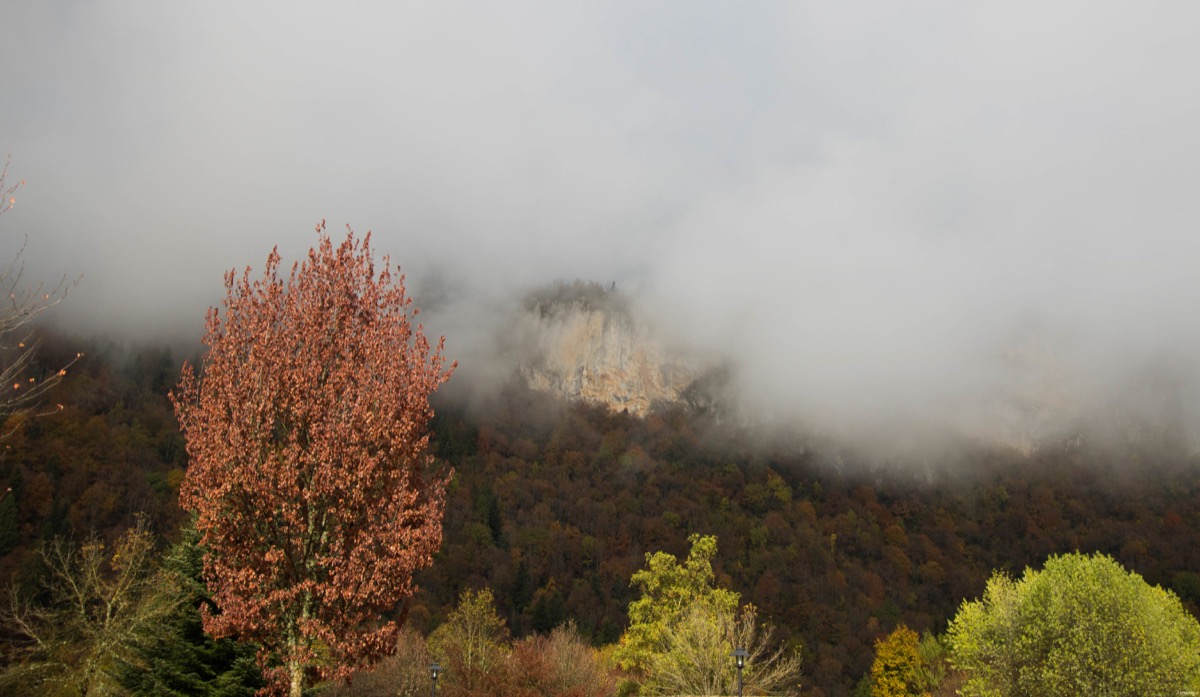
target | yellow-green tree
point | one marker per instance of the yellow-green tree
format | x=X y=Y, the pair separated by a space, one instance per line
x=668 y=590
x=1083 y=625
x=98 y=607
x=682 y=628
x=896 y=671
x=696 y=659
x=472 y=642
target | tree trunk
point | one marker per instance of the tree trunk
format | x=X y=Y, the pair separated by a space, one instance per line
x=296 y=670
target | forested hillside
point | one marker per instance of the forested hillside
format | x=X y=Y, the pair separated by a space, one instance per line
x=554 y=506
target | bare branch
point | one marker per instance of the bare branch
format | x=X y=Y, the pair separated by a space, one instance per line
x=21 y=389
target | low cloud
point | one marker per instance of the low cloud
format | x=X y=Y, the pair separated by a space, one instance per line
x=876 y=211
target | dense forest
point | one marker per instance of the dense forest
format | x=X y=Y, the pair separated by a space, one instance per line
x=553 y=507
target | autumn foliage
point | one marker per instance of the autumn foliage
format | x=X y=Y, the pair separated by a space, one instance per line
x=561 y=503
x=896 y=671
x=309 y=468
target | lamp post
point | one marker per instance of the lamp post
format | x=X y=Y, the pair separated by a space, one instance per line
x=434 y=671
x=739 y=655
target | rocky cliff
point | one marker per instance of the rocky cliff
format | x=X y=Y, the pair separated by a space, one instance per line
x=584 y=341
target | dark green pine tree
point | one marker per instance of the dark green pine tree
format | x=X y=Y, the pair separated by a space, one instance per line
x=549 y=610
x=10 y=535
x=182 y=659
x=487 y=509
x=521 y=591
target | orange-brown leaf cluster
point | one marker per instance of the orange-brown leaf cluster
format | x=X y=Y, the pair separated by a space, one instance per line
x=309 y=472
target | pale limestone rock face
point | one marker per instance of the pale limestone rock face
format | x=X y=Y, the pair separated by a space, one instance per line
x=584 y=343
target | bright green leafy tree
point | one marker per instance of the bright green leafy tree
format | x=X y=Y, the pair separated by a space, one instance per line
x=668 y=591
x=1081 y=626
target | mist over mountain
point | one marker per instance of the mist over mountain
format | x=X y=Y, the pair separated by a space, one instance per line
x=931 y=219
x=593 y=343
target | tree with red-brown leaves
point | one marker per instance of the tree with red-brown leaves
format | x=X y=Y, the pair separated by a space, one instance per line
x=310 y=475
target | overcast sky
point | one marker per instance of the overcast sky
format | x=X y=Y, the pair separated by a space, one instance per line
x=865 y=202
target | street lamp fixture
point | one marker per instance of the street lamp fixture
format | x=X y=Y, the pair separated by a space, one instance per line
x=739 y=655
x=434 y=671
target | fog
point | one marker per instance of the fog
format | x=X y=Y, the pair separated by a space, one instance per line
x=938 y=211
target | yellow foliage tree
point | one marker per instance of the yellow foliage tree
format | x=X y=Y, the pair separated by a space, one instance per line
x=683 y=627
x=896 y=671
